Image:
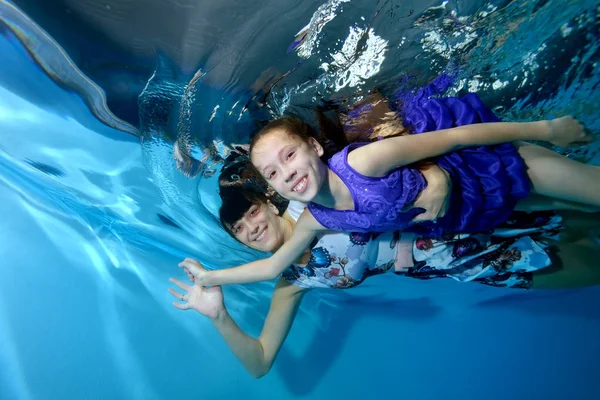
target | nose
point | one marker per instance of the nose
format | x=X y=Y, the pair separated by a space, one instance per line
x=290 y=175
x=253 y=227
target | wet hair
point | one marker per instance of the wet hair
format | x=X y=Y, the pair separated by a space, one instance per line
x=337 y=125
x=241 y=187
x=236 y=202
x=330 y=132
x=239 y=172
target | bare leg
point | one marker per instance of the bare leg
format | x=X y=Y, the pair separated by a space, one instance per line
x=561 y=178
x=573 y=265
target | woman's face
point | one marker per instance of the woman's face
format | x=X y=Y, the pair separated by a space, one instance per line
x=260 y=228
x=290 y=165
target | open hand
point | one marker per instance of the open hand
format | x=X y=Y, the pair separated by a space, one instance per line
x=208 y=302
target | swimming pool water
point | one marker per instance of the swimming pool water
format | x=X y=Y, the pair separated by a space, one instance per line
x=95 y=219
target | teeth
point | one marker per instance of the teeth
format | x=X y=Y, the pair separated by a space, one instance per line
x=262 y=235
x=300 y=185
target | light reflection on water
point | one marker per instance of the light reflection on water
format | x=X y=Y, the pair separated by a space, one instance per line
x=89 y=269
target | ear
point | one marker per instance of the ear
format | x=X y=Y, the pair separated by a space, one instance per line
x=316 y=146
x=272 y=207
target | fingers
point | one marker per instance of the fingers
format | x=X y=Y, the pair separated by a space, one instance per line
x=190 y=276
x=177 y=295
x=180 y=296
x=182 y=306
x=190 y=264
x=185 y=262
x=181 y=285
x=587 y=136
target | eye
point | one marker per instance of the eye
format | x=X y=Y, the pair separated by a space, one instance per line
x=254 y=212
x=271 y=175
x=236 y=229
x=290 y=155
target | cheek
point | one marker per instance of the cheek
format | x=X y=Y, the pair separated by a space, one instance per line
x=310 y=160
x=271 y=223
x=276 y=184
x=273 y=227
x=243 y=240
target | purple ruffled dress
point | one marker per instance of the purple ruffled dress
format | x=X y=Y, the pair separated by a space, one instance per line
x=487 y=181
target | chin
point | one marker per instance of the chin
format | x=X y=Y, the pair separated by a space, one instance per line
x=277 y=243
x=308 y=195
x=292 y=196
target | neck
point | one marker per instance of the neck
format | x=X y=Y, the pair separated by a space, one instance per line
x=287 y=224
x=333 y=193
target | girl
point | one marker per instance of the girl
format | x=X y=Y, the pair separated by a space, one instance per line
x=373 y=187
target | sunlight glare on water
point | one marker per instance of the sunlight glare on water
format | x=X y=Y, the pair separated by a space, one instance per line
x=114 y=120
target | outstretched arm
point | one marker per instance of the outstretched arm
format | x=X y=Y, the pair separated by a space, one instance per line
x=403 y=150
x=268 y=268
x=256 y=355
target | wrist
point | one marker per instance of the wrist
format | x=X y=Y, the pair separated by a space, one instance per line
x=545 y=131
x=220 y=316
x=206 y=279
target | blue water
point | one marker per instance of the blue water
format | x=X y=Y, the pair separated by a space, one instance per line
x=95 y=216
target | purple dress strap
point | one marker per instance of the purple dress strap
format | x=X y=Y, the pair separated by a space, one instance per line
x=380 y=204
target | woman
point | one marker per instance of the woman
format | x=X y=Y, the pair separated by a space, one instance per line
x=342 y=260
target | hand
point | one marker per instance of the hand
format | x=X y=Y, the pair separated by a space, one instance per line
x=208 y=302
x=196 y=269
x=566 y=131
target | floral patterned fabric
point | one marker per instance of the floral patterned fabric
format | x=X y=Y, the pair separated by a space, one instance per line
x=341 y=260
x=506 y=256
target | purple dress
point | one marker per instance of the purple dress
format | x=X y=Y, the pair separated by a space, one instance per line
x=487 y=182
x=378 y=202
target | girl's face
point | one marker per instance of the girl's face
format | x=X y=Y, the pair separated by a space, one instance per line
x=290 y=165
x=260 y=228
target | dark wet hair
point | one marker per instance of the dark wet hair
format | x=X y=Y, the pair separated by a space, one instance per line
x=239 y=172
x=236 y=202
x=330 y=132
x=241 y=187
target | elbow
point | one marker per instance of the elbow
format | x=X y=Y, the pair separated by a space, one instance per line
x=258 y=375
x=260 y=372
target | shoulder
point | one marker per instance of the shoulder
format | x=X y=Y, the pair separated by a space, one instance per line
x=295 y=209
x=362 y=158
x=308 y=222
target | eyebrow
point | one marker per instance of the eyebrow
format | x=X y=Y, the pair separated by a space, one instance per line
x=236 y=223
x=264 y=170
x=282 y=150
